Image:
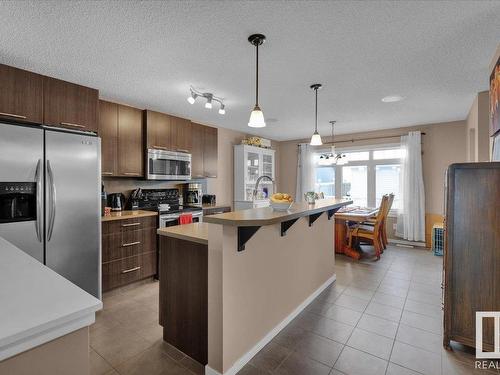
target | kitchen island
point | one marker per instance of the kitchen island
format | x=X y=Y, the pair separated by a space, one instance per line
x=259 y=268
x=44 y=318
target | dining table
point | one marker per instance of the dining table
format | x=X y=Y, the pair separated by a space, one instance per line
x=346 y=216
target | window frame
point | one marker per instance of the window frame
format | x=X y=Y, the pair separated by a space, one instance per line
x=371 y=165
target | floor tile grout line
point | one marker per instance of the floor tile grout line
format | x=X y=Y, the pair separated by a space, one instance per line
x=357 y=326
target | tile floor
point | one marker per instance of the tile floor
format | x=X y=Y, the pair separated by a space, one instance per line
x=378 y=318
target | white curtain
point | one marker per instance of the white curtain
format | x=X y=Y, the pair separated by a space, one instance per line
x=305 y=172
x=411 y=220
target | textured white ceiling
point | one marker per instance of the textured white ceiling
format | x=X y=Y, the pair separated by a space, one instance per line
x=147 y=54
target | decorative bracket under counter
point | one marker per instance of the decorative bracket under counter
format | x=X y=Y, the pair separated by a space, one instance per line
x=249 y=221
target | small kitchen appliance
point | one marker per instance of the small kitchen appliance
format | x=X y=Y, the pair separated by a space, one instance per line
x=193 y=194
x=115 y=201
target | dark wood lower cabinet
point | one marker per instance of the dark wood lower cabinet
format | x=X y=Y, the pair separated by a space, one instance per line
x=129 y=251
x=184 y=295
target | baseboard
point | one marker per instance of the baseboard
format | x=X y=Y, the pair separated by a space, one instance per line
x=406 y=243
x=243 y=360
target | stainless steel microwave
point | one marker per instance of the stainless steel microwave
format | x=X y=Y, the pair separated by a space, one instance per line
x=168 y=165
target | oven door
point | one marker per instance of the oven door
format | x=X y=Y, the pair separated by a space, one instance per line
x=168 y=165
x=169 y=220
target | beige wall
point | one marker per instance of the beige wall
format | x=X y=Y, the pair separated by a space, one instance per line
x=443 y=144
x=289 y=270
x=477 y=141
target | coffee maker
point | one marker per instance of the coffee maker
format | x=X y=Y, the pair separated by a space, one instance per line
x=193 y=194
x=116 y=201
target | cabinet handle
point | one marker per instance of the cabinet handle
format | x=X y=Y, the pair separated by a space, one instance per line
x=131 y=244
x=132 y=269
x=107 y=173
x=11 y=115
x=161 y=147
x=71 y=124
x=210 y=176
x=131 y=174
x=131 y=225
x=182 y=150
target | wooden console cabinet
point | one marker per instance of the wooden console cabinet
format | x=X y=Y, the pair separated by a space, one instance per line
x=472 y=251
x=129 y=251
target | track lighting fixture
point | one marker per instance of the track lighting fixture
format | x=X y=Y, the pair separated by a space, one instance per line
x=194 y=94
x=222 y=109
x=208 y=104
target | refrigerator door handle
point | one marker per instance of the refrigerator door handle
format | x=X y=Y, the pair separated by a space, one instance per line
x=39 y=212
x=52 y=197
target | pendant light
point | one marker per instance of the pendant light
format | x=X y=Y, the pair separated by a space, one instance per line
x=257 y=117
x=316 y=138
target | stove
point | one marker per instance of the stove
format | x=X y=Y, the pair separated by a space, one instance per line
x=166 y=203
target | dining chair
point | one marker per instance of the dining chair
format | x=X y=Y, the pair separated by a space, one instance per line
x=383 y=231
x=369 y=232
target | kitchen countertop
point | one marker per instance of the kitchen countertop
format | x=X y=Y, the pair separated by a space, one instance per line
x=267 y=216
x=38 y=305
x=194 y=232
x=122 y=215
x=207 y=206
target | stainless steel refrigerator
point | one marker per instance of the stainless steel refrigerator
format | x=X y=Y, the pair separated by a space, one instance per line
x=50 y=199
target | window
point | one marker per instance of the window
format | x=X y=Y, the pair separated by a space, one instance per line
x=364 y=175
x=387 y=182
x=325 y=181
x=354 y=184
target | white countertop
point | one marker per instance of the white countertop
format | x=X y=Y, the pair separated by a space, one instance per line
x=36 y=304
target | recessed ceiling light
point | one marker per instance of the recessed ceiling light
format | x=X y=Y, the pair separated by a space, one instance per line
x=392 y=98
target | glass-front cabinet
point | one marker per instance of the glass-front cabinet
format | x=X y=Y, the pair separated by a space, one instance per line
x=250 y=163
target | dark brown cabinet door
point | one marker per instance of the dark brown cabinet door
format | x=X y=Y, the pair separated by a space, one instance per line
x=21 y=95
x=130 y=151
x=158 y=131
x=69 y=105
x=210 y=151
x=108 y=131
x=197 y=150
x=180 y=134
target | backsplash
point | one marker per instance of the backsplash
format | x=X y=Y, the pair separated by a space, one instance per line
x=125 y=185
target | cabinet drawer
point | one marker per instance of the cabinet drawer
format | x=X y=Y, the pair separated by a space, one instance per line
x=121 y=272
x=124 y=244
x=119 y=226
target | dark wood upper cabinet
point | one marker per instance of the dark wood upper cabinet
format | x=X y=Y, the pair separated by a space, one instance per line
x=108 y=131
x=158 y=129
x=130 y=145
x=180 y=134
x=21 y=95
x=210 y=151
x=204 y=151
x=197 y=165
x=69 y=105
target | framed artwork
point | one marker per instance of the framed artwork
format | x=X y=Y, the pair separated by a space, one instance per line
x=495 y=99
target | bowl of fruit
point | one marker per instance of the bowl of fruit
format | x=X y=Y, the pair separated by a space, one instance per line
x=281 y=201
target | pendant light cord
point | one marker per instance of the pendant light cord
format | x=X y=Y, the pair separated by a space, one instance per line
x=257 y=76
x=316 y=112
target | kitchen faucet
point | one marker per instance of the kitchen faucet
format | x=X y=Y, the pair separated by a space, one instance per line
x=256 y=187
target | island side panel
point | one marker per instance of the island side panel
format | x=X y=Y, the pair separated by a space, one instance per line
x=215 y=297
x=270 y=279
